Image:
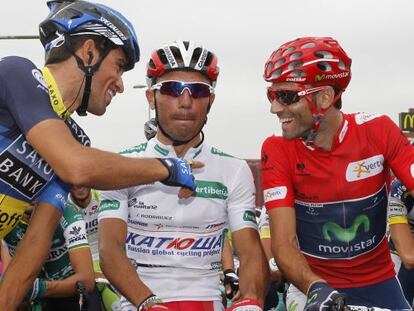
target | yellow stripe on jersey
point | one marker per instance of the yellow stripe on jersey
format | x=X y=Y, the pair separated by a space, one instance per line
x=11 y=211
x=264 y=233
x=397 y=220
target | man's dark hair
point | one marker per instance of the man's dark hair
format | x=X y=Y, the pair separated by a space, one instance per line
x=62 y=53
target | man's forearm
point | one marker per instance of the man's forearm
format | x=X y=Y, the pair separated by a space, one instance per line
x=29 y=257
x=254 y=274
x=404 y=243
x=120 y=273
x=98 y=169
x=294 y=266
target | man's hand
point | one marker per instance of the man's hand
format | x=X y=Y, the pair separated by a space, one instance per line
x=246 y=304
x=179 y=173
x=152 y=303
x=231 y=283
x=322 y=297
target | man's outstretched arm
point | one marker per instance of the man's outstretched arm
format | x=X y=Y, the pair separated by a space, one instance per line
x=85 y=166
x=29 y=257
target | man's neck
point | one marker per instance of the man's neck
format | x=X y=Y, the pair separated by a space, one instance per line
x=181 y=150
x=82 y=203
x=69 y=79
x=330 y=124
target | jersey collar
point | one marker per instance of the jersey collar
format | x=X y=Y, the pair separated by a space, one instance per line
x=55 y=96
x=168 y=150
x=339 y=135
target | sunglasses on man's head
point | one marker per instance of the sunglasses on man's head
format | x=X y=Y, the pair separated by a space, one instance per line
x=176 y=88
x=289 y=97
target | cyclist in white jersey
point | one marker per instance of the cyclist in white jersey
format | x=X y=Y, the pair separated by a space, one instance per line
x=87 y=201
x=173 y=246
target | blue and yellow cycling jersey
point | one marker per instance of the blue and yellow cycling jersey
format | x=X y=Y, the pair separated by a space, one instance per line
x=24 y=176
x=400 y=198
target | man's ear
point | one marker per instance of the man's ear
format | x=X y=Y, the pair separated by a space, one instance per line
x=325 y=98
x=88 y=52
x=150 y=98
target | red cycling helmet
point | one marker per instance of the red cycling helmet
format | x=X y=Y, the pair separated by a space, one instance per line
x=182 y=55
x=310 y=60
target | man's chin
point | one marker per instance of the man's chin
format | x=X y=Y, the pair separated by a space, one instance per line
x=288 y=136
x=97 y=112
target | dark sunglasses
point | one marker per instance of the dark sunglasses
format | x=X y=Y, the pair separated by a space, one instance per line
x=176 y=88
x=289 y=97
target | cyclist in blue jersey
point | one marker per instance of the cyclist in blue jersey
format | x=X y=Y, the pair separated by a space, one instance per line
x=401 y=227
x=88 y=48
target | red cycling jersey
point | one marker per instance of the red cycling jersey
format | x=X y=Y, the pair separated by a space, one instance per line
x=340 y=196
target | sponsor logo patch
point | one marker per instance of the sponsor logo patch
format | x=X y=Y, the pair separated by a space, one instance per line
x=362 y=117
x=108 y=205
x=365 y=168
x=249 y=216
x=276 y=193
x=211 y=189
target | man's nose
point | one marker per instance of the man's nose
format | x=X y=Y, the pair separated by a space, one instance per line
x=119 y=84
x=185 y=98
x=276 y=107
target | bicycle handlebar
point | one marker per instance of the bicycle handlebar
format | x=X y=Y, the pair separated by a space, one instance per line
x=83 y=301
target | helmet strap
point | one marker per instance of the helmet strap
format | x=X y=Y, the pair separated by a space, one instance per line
x=89 y=72
x=317 y=118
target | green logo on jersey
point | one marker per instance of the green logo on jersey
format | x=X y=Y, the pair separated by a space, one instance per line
x=292 y=306
x=107 y=205
x=345 y=234
x=163 y=151
x=249 y=216
x=211 y=190
x=139 y=148
x=218 y=152
x=312 y=298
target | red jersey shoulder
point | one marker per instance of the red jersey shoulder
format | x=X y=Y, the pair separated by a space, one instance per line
x=275 y=146
x=371 y=120
x=276 y=141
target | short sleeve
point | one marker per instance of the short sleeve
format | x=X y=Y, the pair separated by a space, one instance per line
x=276 y=177
x=241 y=201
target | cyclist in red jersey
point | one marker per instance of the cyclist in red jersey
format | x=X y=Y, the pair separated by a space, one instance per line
x=326 y=181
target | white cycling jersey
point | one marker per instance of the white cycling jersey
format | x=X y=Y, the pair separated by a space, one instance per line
x=90 y=215
x=176 y=243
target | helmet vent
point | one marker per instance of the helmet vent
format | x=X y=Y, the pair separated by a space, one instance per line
x=294 y=65
x=309 y=45
x=298 y=73
x=296 y=55
x=279 y=63
x=276 y=53
x=323 y=54
x=341 y=65
x=324 y=66
x=288 y=51
x=269 y=68
x=276 y=74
